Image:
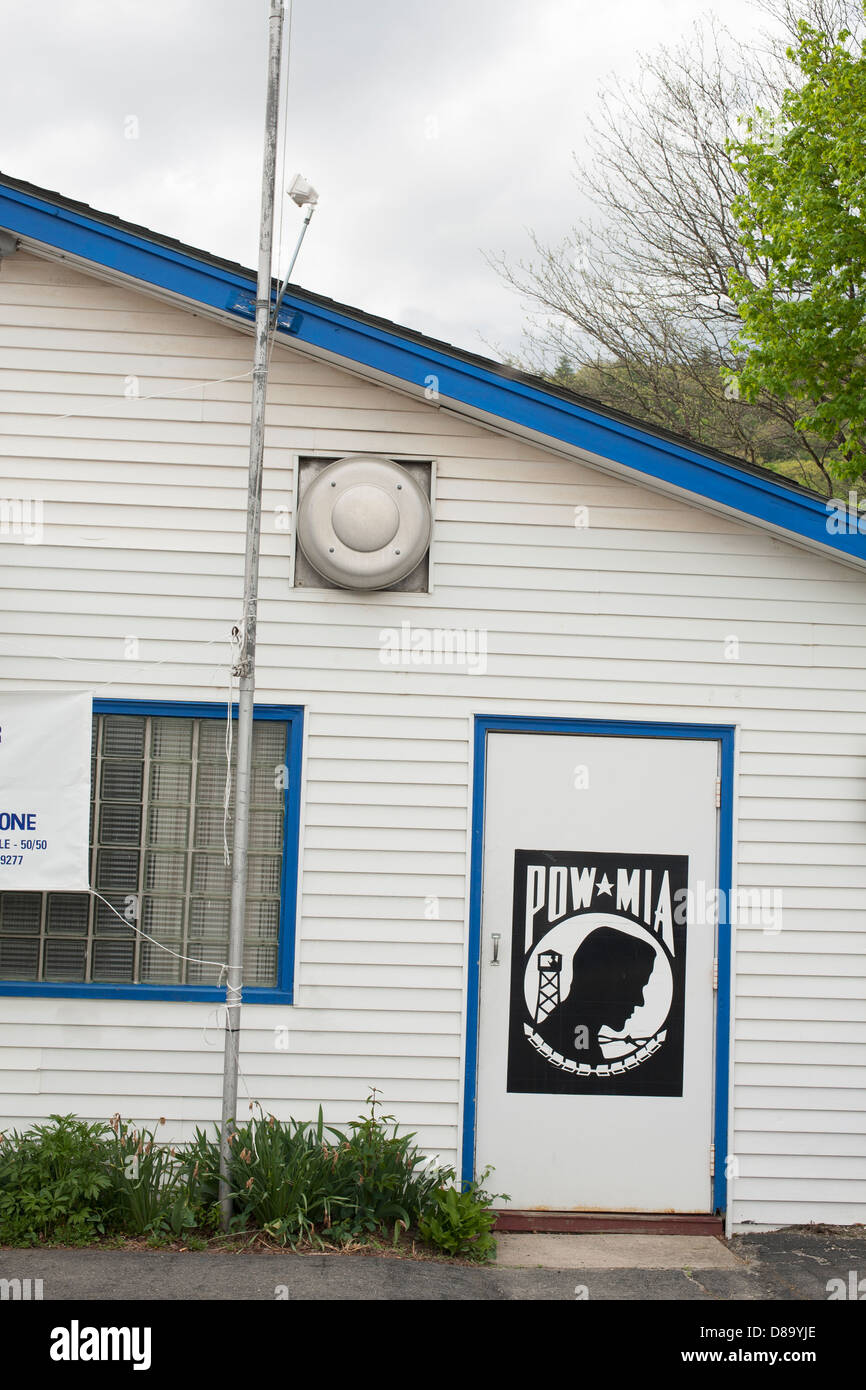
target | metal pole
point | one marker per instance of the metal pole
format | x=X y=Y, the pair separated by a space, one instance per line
x=307 y=219
x=245 y=669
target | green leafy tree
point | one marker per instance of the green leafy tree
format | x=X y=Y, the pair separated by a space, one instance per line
x=802 y=219
x=632 y=305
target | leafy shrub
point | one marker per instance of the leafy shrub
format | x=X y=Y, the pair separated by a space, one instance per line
x=297 y=1181
x=150 y=1183
x=460 y=1222
x=72 y=1182
x=54 y=1184
x=281 y=1177
x=394 y=1183
x=307 y=1180
x=200 y=1162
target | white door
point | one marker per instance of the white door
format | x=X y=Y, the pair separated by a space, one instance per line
x=596 y=1024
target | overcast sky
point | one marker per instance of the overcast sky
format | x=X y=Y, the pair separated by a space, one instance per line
x=433 y=131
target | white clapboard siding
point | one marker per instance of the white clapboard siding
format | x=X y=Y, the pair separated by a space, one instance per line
x=113 y=416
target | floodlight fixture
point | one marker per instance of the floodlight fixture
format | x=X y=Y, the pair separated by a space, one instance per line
x=302 y=192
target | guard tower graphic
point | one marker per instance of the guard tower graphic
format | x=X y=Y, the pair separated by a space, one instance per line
x=549 y=970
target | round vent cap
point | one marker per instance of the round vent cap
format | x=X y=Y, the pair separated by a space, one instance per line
x=364 y=523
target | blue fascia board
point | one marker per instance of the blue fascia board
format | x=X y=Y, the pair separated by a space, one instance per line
x=459 y=381
x=115 y=249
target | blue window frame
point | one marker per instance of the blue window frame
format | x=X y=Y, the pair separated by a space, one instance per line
x=210 y=720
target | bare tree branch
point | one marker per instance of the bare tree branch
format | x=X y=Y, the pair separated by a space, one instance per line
x=632 y=306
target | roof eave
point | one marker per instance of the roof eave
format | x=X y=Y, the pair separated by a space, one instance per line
x=444 y=376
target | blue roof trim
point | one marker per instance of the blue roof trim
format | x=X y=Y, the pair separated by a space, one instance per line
x=404 y=359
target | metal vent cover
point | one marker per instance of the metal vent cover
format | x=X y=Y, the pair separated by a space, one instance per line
x=364 y=523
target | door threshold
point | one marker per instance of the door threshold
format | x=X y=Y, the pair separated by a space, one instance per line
x=611 y=1222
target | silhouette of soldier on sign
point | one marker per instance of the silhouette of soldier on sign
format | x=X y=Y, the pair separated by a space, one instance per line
x=610 y=971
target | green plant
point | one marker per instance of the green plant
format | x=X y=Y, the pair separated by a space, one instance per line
x=53 y=1183
x=308 y=1181
x=460 y=1222
x=394 y=1183
x=199 y=1160
x=799 y=216
x=151 y=1183
x=296 y=1181
x=280 y=1175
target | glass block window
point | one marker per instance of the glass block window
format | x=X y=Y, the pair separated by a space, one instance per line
x=156 y=833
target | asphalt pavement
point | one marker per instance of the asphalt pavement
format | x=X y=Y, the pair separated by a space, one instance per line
x=800 y=1263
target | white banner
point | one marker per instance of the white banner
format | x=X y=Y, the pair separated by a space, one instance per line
x=45 y=754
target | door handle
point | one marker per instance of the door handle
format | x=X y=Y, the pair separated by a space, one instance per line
x=495 y=937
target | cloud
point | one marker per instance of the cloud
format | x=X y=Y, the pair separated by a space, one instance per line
x=433 y=132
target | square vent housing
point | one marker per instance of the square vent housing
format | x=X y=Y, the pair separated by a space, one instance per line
x=306 y=576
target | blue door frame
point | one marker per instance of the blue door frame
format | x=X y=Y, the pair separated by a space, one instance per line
x=723 y=734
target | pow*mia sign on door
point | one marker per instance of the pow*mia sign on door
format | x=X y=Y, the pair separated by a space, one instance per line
x=597 y=974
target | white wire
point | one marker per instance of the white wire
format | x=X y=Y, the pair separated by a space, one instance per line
x=240 y=376
x=234 y=991
x=222 y=966
x=281 y=182
x=235 y=644
x=159 y=395
x=237 y=632
x=103 y=685
x=284 y=99
x=236 y=636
